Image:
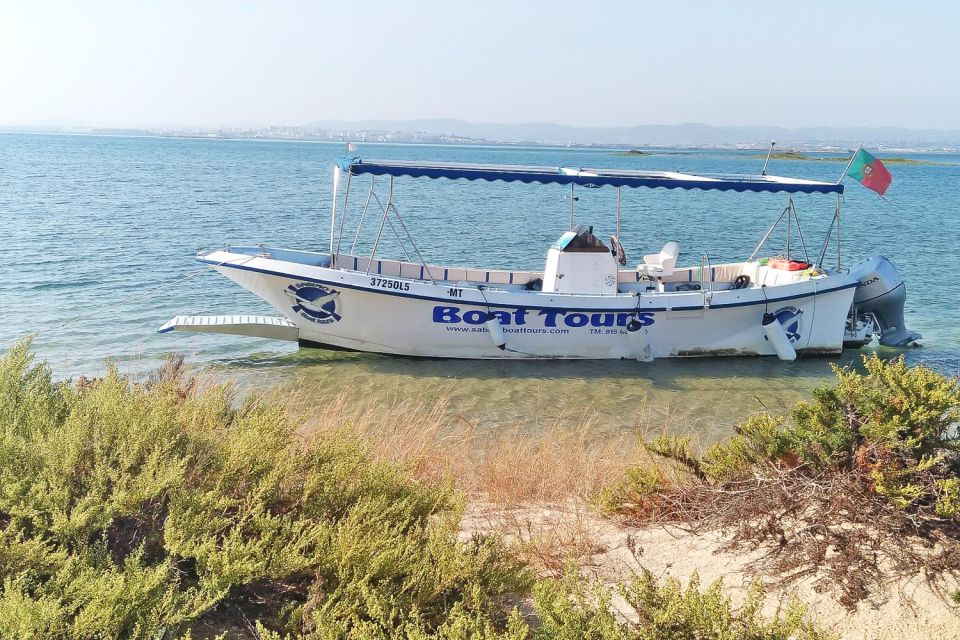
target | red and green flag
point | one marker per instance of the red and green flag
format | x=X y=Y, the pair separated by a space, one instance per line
x=870 y=172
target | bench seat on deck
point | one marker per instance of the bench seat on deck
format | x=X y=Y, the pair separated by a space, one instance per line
x=720 y=274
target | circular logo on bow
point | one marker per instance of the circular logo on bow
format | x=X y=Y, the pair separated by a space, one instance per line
x=790 y=317
x=314 y=302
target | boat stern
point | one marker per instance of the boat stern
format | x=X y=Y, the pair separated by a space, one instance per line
x=880 y=298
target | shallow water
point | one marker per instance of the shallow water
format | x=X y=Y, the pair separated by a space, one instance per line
x=101 y=233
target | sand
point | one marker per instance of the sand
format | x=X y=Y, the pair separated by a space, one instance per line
x=611 y=550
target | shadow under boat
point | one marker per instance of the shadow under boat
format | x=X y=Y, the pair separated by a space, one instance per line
x=664 y=373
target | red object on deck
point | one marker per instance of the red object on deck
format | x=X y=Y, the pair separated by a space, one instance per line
x=788 y=265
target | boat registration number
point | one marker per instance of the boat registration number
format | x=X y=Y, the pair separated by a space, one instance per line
x=390 y=284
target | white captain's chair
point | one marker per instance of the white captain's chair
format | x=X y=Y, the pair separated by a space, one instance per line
x=658 y=265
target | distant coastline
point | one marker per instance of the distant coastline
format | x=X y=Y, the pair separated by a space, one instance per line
x=626 y=139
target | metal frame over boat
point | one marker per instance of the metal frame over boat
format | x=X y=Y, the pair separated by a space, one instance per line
x=585 y=303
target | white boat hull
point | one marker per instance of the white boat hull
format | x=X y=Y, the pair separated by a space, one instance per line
x=407 y=316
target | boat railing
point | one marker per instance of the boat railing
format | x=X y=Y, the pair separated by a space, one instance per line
x=706 y=267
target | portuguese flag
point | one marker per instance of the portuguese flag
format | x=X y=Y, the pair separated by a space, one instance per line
x=870 y=172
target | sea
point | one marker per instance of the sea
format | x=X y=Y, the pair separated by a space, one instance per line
x=100 y=235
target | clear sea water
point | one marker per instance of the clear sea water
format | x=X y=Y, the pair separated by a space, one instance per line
x=93 y=226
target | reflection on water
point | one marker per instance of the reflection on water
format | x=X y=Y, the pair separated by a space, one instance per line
x=703 y=396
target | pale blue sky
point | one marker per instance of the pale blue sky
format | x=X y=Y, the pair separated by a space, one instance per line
x=175 y=62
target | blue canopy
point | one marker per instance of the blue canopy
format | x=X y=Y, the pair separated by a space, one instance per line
x=585 y=177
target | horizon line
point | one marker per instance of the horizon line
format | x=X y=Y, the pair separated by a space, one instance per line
x=318 y=123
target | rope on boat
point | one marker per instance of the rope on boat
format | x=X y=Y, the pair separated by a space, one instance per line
x=813 y=315
x=490 y=315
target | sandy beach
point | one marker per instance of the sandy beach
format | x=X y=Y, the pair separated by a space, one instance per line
x=611 y=551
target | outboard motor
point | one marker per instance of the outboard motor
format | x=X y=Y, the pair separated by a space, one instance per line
x=881 y=293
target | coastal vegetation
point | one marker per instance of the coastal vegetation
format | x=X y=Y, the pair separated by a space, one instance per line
x=859 y=483
x=167 y=507
x=807 y=157
x=155 y=509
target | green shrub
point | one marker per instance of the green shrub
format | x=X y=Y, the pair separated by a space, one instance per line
x=948 y=500
x=571 y=608
x=895 y=425
x=677 y=448
x=134 y=510
x=639 y=483
x=911 y=411
x=757 y=440
x=160 y=509
x=895 y=422
x=857 y=486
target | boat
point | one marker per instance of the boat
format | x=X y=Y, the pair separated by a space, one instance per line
x=588 y=301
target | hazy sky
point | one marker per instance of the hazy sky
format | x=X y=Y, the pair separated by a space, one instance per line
x=175 y=62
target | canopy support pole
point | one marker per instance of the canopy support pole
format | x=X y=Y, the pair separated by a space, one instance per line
x=838 y=232
x=416 y=249
x=803 y=244
x=826 y=239
x=766 y=236
x=393 y=228
x=383 y=220
x=571 y=206
x=618 y=212
x=386 y=214
x=333 y=211
x=791 y=212
x=363 y=214
x=789 y=223
x=343 y=219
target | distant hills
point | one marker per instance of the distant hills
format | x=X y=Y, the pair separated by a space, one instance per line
x=689 y=134
x=450 y=131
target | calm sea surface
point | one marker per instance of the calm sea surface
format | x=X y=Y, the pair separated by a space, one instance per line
x=94 y=225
